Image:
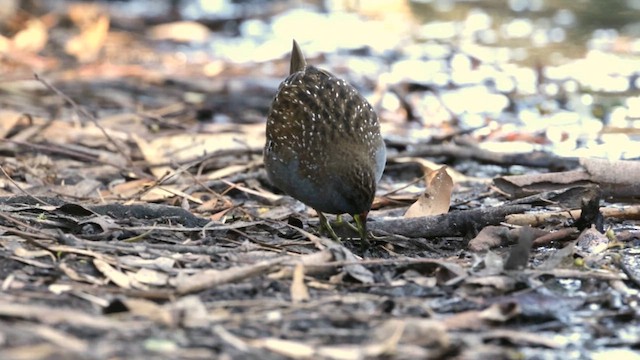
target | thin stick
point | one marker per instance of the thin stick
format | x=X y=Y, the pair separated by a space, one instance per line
x=83 y=113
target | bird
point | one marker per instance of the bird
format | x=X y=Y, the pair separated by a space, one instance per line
x=323 y=144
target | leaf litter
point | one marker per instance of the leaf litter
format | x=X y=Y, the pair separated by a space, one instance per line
x=133 y=228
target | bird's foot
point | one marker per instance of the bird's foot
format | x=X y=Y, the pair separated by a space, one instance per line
x=324 y=225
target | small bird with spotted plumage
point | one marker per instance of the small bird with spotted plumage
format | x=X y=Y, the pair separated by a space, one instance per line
x=324 y=146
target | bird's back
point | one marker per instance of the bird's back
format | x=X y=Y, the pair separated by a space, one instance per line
x=325 y=136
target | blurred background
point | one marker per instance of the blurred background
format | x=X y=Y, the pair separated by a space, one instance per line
x=514 y=75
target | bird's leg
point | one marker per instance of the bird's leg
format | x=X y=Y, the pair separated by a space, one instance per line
x=324 y=223
x=361 y=224
x=341 y=221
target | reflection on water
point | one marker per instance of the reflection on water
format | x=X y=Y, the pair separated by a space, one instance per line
x=564 y=73
x=544 y=31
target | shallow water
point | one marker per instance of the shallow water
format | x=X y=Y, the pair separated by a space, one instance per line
x=552 y=75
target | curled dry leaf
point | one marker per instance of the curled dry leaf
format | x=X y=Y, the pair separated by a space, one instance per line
x=437 y=196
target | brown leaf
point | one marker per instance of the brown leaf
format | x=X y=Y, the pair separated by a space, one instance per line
x=489 y=237
x=437 y=196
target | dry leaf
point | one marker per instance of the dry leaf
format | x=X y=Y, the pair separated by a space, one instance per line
x=192 y=311
x=8 y=119
x=76 y=276
x=489 y=237
x=591 y=241
x=5 y=44
x=160 y=263
x=498 y=282
x=312 y=262
x=118 y=278
x=564 y=255
x=31 y=39
x=150 y=310
x=153 y=154
x=605 y=171
x=299 y=291
x=425 y=332
x=234 y=169
x=220 y=214
x=29 y=254
x=474 y=319
x=129 y=188
x=151 y=277
x=500 y=312
x=181 y=31
x=81 y=14
x=436 y=198
x=426 y=164
x=86 y=46
x=291 y=349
